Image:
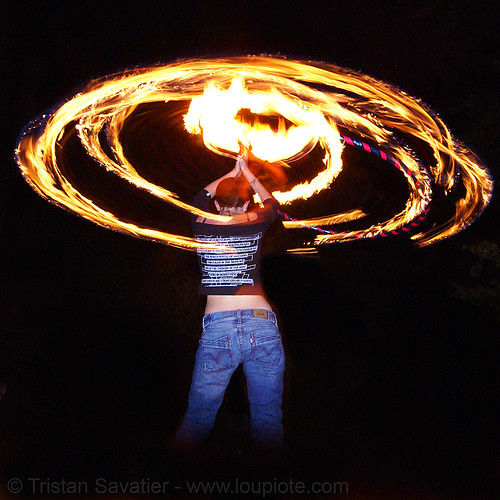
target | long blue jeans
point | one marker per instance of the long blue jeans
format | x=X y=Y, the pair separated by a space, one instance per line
x=250 y=337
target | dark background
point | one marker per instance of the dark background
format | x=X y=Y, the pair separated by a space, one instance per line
x=392 y=357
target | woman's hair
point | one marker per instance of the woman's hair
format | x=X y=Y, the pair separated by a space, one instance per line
x=233 y=192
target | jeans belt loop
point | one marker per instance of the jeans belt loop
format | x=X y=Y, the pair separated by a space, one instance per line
x=206 y=320
x=272 y=317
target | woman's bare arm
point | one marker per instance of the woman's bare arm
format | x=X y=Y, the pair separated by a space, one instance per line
x=254 y=182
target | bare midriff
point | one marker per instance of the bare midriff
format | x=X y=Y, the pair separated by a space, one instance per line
x=217 y=303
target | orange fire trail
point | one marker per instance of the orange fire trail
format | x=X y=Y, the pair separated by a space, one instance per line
x=312 y=97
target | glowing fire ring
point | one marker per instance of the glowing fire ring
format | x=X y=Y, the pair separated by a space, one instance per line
x=373 y=109
x=410 y=227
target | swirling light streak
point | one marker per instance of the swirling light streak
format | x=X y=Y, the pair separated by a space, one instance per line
x=313 y=97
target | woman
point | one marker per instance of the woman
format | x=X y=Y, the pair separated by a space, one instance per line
x=239 y=326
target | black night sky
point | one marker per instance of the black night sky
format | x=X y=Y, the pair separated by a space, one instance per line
x=392 y=354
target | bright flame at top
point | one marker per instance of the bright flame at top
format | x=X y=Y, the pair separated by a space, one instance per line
x=215 y=115
x=218 y=89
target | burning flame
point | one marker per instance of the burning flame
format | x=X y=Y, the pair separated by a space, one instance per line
x=310 y=97
x=214 y=115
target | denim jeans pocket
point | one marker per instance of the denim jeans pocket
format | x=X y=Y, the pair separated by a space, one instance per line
x=216 y=354
x=267 y=348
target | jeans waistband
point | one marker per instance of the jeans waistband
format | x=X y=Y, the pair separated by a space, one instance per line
x=240 y=313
